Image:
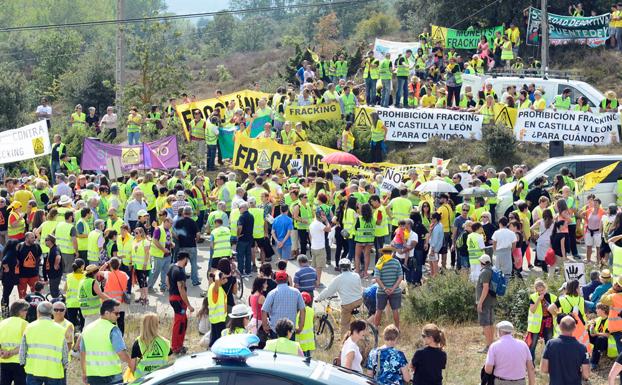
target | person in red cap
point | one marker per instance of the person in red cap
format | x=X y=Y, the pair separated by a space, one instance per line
x=306 y=338
x=282 y=302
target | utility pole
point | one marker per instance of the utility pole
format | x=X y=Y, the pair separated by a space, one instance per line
x=544 y=41
x=120 y=56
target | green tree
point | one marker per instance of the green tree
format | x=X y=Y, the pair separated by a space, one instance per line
x=15 y=98
x=378 y=24
x=326 y=34
x=161 y=69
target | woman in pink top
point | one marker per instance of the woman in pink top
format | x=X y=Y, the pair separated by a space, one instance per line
x=483 y=48
x=256 y=300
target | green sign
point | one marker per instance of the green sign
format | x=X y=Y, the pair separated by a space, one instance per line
x=463 y=39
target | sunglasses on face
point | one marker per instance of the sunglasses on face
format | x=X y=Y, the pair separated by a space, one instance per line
x=59 y=310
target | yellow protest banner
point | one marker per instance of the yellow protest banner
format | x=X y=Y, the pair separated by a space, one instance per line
x=438 y=34
x=313 y=113
x=243 y=99
x=505 y=115
x=362 y=117
x=261 y=154
x=591 y=179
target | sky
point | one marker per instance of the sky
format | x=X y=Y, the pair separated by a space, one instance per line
x=194 y=6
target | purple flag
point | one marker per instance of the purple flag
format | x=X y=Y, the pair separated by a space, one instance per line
x=160 y=154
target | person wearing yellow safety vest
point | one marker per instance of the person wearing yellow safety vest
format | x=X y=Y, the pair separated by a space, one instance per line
x=601 y=340
x=211 y=139
x=488 y=110
x=16 y=221
x=341 y=68
x=96 y=242
x=60 y=310
x=161 y=249
x=402 y=73
x=284 y=330
x=348 y=103
x=77 y=120
x=562 y=102
x=43 y=350
x=199 y=194
x=239 y=319
x=217 y=305
x=102 y=349
x=347 y=138
x=150 y=350
x=371 y=75
x=475 y=247
x=364 y=238
x=613 y=299
x=539 y=103
x=513 y=35
x=125 y=240
x=453 y=82
x=399 y=208
x=302 y=213
x=220 y=243
x=71 y=290
x=539 y=320
x=385 y=74
x=82 y=232
x=610 y=103
x=134 y=122
x=11 y=335
x=507 y=55
x=59 y=149
x=90 y=294
x=66 y=240
x=150 y=192
x=141 y=257
x=378 y=137
x=113 y=222
x=306 y=337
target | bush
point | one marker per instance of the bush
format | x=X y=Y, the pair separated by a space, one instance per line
x=500 y=144
x=446 y=298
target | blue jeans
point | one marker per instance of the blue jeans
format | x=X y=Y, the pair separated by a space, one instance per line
x=285 y=252
x=386 y=92
x=34 y=380
x=211 y=157
x=351 y=247
x=370 y=91
x=244 y=256
x=201 y=219
x=105 y=380
x=464 y=260
x=417 y=272
x=402 y=91
x=133 y=138
x=194 y=266
x=54 y=168
x=160 y=268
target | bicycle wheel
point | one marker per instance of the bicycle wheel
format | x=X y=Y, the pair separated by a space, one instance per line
x=238 y=277
x=372 y=336
x=323 y=332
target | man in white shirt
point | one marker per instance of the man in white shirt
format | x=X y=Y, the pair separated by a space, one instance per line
x=348 y=286
x=409 y=244
x=44 y=112
x=317 y=230
x=503 y=242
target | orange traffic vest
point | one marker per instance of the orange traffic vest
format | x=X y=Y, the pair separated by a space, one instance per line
x=615 y=321
x=581 y=334
x=116 y=285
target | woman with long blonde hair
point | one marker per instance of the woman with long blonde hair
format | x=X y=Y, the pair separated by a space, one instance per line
x=150 y=350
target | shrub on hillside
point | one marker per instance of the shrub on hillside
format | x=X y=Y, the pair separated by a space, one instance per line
x=446 y=298
x=500 y=144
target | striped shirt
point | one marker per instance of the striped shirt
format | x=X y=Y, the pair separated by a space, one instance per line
x=305 y=278
x=389 y=274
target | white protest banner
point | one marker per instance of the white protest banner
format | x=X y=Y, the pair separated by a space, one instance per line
x=381 y=47
x=575 y=270
x=24 y=143
x=392 y=179
x=572 y=127
x=420 y=125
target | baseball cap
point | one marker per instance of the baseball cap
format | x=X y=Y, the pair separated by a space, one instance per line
x=306 y=297
x=485 y=259
x=280 y=276
x=142 y=213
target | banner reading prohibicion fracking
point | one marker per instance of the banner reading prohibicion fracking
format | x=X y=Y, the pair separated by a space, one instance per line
x=243 y=99
x=26 y=142
x=463 y=39
x=421 y=125
x=160 y=154
x=592 y=31
x=572 y=127
x=381 y=47
x=312 y=113
x=262 y=154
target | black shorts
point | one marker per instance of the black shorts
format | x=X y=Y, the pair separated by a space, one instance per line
x=141 y=277
x=213 y=263
x=446 y=243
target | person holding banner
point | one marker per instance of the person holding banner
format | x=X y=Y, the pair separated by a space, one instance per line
x=378 y=136
x=211 y=139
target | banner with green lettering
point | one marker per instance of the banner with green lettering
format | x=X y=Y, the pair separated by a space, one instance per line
x=463 y=39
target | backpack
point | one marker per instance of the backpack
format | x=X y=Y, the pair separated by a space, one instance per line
x=498 y=282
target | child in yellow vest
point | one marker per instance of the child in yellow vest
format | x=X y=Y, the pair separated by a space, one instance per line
x=599 y=334
x=306 y=337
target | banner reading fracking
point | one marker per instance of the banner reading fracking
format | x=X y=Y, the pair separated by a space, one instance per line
x=463 y=39
x=572 y=127
x=243 y=99
x=312 y=113
x=592 y=31
x=420 y=125
x=262 y=154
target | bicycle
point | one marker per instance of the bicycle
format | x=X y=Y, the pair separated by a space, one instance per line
x=324 y=331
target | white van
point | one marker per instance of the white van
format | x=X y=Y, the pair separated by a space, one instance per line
x=578 y=165
x=552 y=87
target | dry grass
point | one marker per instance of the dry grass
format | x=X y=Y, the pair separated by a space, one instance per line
x=463 y=342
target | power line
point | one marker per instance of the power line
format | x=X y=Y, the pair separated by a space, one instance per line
x=476 y=13
x=183 y=16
